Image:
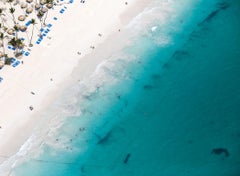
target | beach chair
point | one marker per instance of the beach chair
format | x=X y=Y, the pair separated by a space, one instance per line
x=49 y=25
x=16 y=63
x=26 y=53
x=13 y=60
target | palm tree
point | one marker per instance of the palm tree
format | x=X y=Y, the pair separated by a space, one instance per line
x=48 y=2
x=18 y=44
x=12 y=10
x=40 y=16
x=33 y=22
x=16 y=29
x=8 y=60
x=2 y=39
x=13 y=42
x=1 y=15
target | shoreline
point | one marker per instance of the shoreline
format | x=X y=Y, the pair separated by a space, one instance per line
x=40 y=75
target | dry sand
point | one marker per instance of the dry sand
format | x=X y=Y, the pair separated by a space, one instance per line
x=41 y=78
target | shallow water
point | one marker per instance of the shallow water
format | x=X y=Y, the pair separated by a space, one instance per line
x=172 y=109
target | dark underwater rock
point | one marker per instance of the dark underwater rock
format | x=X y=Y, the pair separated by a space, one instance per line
x=220 y=151
x=127 y=158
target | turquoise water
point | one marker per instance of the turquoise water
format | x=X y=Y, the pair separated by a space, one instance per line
x=173 y=111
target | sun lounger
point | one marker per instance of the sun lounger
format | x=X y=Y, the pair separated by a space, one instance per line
x=49 y=25
x=28 y=23
x=16 y=63
x=26 y=53
x=13 y=60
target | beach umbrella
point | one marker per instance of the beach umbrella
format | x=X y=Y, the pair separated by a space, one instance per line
x=23 y=28
x=1 y=63
x=17 y=25
x=42 y=2
x=21 y=46
x=29 y=1
x=37 y=6
x=49 y=6
x=23 y=5
x=29 y=10
x=10 y=31
x=21 y=18
x=44 y=10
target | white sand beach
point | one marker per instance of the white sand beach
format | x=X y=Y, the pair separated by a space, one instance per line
x=44 y=73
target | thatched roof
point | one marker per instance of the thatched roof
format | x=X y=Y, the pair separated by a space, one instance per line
x=10 y=31
x=42 y=2
x=44 y=9
x=23 y=28
x=29 y=10
x=1 y=64
x=37 y=6
x=23 y=5
x=29 y=1
x=21 y=17
x=49 y=5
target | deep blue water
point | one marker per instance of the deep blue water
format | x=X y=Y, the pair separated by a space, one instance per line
x=175 y=110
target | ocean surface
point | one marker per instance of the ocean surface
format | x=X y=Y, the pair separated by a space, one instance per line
x=167 y=104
